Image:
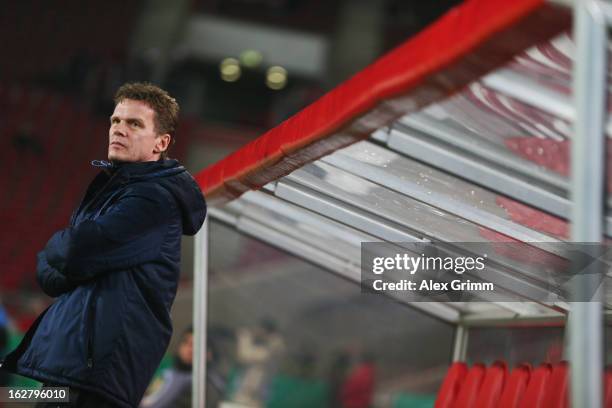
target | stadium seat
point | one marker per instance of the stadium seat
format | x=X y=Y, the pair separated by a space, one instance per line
x=608 y=388
x=492 y=386
x=556 y=395
x=515 y=387
x=451 y=385
x=470 y=387
x=537 y=387
x=482 y=387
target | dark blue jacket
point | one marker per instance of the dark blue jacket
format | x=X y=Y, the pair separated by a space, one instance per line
x=114 y=272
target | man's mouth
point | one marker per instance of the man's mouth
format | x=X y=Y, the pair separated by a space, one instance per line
x=117 y=144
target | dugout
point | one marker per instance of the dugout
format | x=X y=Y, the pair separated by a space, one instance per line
x=463 y=134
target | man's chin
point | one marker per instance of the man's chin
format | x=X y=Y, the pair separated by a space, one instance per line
x=115 y=158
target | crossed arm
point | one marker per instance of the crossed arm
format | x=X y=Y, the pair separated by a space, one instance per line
x=129 y=234
x=52 y=281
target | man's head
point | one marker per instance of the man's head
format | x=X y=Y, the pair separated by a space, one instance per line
x=185 y=348
x=143 y=123
x=267 y=327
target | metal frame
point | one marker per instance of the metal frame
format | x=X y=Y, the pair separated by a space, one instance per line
x=200 y=311
x=443 y=201
x=310 y=193
x=531 y=92
x=254 y=221
x=336 y=209
x=326 y=261
x=587 y=188
x=468 y=142
x=331 y=228
x=499 y=320
x=460 y=344
x=532 y=190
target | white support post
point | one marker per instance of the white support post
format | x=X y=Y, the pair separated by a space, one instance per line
x=200 y=303
x=587 y=189
x=460 y=345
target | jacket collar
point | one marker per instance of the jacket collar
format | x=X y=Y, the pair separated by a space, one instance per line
x=140 y=170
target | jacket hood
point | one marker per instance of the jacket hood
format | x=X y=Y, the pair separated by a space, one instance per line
x=171 y=175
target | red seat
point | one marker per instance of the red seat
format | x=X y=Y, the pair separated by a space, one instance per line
x=537 y=387
x=470 y=387
x=608 y=388
x=451 y=385
x=515 y=387
x=492 y=386
x=545 y=387
x=557 y=395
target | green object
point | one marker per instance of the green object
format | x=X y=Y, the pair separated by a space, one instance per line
x=163 y=366
x=251 y=58
x=297 y=393
x=404 y=400
x=233 y=379
x=14 y=338
x=286 y=391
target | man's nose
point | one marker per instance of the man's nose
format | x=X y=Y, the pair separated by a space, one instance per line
x=118 y=129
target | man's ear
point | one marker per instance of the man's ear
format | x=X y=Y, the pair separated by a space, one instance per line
x=162 y=143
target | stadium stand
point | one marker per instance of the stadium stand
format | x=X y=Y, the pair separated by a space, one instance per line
x=51 y=159
x=73 y=31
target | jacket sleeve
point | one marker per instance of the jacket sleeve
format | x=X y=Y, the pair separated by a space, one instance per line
x=130 y=233
x=52 y=282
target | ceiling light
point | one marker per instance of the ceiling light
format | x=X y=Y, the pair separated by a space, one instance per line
x=230 y=69
x=276 y=77
x=251 y=58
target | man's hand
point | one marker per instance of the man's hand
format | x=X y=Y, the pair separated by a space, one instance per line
x=52 y=282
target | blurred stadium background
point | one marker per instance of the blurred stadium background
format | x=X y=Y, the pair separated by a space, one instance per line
x=237 y=68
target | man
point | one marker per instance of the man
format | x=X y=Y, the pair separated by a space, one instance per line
x=175 y=391
x=259 y=351
x=115 y=269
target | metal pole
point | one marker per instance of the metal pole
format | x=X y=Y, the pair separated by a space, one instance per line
x=200 y=303
x=460 y=346
x=587 y=180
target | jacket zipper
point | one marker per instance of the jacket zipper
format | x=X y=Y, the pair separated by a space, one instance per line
x=83 y=207
x=92 y=312
x=91 y=325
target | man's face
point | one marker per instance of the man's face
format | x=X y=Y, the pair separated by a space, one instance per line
x=132 y=135
x=185 y=350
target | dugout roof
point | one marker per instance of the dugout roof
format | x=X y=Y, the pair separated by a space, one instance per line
x=461 y=134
